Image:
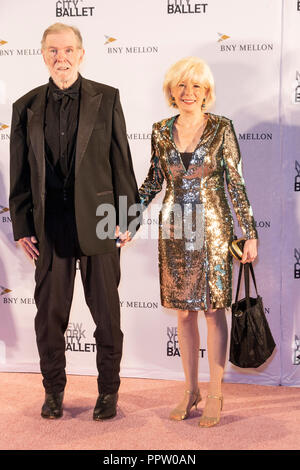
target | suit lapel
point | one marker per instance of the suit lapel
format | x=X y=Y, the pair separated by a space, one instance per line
x=89 y=106
x=36 y=117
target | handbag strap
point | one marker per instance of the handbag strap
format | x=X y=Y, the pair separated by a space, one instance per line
x=246 y=268
x=247 y=284
x=239 y=282
x=253 y=277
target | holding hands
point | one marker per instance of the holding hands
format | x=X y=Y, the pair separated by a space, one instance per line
x=122 y=238
x=28 y=244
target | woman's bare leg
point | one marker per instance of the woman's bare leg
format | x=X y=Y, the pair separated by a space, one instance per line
x=217 y=336
x=189 y=343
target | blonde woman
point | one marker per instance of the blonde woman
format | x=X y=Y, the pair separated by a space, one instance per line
x=193 y=151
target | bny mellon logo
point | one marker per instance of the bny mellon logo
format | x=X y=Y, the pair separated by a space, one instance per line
x=2 y=42
x=109 y=39
x=127 y=49
x=3 y=209
x=222 y=37
x=4 y=290
x=3 y=126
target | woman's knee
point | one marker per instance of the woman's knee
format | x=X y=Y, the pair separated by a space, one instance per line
x=210 y=312
x=214 y=316
x=187 y=315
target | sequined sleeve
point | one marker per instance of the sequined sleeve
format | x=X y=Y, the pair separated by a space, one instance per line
x=235 y=183
x=155 y=178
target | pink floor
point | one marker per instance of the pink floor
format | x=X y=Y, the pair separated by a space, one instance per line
x=254 y=417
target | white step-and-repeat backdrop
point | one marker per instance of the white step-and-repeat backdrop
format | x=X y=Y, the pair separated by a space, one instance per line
x=252 y=48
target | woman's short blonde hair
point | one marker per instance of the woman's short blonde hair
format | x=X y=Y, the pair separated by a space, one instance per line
x=191 y=68
x=60 y=27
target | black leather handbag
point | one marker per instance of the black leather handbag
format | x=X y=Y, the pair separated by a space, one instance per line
x=251 y=341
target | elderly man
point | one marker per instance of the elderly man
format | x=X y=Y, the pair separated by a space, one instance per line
x=70 y=155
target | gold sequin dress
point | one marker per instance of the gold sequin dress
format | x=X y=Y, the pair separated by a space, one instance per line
x=195 y=221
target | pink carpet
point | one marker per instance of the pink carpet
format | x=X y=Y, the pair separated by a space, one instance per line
x=254 y=417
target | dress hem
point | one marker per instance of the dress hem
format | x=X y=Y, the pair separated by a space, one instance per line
x=184 y=306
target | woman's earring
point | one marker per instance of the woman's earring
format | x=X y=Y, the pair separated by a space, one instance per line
x=203 y=104
x=173 y=103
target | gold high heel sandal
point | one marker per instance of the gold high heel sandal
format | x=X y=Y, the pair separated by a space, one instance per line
x=179 y=414
x=208 y=421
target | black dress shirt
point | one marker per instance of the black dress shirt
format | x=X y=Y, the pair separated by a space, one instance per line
x=61 y=123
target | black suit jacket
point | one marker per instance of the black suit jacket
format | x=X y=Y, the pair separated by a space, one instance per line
x=103 y=166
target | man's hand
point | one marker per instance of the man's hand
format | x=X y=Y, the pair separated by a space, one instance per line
x=27 y=244
x=250 y=251
x=123 y=238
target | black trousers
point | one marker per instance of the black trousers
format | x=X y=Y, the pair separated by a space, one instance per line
x=53 y=296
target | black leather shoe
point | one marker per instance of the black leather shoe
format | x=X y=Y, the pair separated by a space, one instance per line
x=106 y=406
x=52 y=408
